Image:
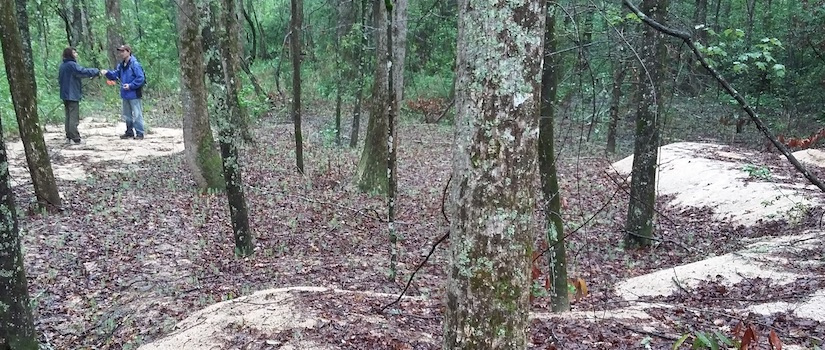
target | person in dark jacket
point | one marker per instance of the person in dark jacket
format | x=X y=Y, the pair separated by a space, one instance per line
x=131 y=77
x=71 y=91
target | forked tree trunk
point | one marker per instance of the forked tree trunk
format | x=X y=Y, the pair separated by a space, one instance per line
x=24 y=98
x=201 y=155
x=556 y=254
x=641 y=208
x=494 y=169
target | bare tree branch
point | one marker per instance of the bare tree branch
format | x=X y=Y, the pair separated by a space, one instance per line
x=731 y=91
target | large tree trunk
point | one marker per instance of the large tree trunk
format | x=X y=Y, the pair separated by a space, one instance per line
x=114 y=27
x=494 y=167
x=24 y=97
x=557 y=260
x=371 y=175
x=16 y=326
x=222 y=72
x=295 y=51
x=201 y=155
x=645 y=154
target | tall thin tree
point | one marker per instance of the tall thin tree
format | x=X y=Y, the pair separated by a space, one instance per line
x=362 y=68
x=494 y=169
x=557 y=260
x=24 y=98
x=221 y=69
x=639 y=227
x=297 y=7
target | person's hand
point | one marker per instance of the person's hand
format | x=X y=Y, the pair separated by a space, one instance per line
x=110 y=82
x=126 y=86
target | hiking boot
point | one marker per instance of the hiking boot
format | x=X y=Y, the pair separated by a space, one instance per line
x=139 y=137
x=126 y=136
x=78 y=142
x=68 y=142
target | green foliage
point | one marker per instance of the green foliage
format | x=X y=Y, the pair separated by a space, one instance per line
x=758 y=172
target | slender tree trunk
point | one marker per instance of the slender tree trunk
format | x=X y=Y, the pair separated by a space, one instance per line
x=253 y=51
x=362 y=68
x=494 y=167
x=399 y=22
x=640 y=212
x=392 y=169
x=201 y=155
x=114 y=26
x=64 y=14
x=371 y=176
x=24 y=98
x=751 y=11
x=619 y=71
x=16 y=326
x=226 y=109
x=138 y=22
x=556 y=255
x=295 y=50
x=230 y=56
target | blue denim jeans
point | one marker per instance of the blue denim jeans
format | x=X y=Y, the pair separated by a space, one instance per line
x=133 y=116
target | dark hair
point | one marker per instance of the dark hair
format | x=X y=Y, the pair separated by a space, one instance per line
x=68 y=53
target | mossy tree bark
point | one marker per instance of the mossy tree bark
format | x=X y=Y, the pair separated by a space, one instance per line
x=24 y=98
x=228 y=115
x=202 y=157
x=641 y=209
x=371 y=176
x=557 y=260
x=494 y=168
x=16 y=325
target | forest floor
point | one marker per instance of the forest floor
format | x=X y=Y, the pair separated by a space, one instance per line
x=138 y=251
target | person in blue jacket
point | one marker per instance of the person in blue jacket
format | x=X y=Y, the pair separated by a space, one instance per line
x=131 y=77
x=71 y=91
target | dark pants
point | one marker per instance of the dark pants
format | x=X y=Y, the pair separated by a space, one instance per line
x=72 y=109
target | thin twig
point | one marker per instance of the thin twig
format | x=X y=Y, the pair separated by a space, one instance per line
x=432 y=250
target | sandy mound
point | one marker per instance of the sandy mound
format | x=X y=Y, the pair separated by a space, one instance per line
x=700 y=175
x=102 y=143
x=270 y=313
